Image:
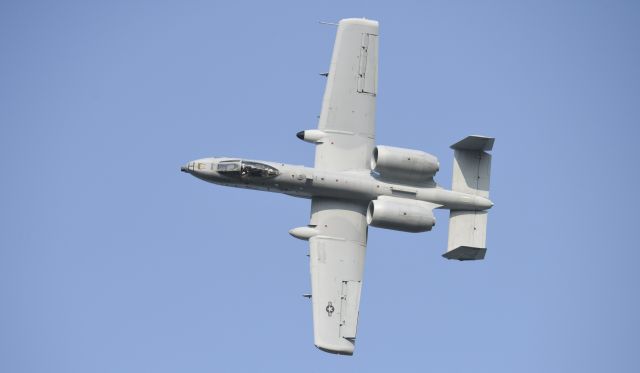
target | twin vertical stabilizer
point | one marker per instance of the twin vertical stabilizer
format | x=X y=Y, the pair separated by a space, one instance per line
x=471 y=172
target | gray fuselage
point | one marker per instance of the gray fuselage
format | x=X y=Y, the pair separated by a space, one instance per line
x=306 y=182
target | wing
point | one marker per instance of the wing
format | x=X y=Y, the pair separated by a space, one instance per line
x=337 y=262
x=349 y=103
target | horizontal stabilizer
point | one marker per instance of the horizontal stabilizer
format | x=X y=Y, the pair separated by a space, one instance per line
x=467 y=235
x=472 y=165
x=471 y=173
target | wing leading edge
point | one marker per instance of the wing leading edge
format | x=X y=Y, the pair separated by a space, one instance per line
x=337 y=263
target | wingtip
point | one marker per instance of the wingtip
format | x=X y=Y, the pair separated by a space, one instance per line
x=335 y=351
x=359 y=21
x=341 y=346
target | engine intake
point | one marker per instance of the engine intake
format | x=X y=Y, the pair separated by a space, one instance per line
x=404 y=164
x=401 y=214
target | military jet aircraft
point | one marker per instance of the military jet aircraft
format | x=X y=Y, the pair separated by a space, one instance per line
x=355 y=184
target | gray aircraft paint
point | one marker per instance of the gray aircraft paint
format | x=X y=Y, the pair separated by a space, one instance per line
x=354 y=185
x=307 y=182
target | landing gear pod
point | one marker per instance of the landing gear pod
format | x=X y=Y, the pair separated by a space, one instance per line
x=312 y=136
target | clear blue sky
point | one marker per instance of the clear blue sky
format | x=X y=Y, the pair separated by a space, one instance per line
x=111 y=260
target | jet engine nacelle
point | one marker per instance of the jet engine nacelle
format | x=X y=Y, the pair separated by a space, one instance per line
x=401 y=214
x=404 y=164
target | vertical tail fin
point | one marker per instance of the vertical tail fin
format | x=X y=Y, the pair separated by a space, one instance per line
x=471 y=173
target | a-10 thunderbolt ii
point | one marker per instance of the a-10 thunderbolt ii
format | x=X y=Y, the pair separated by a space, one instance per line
x=355 y=184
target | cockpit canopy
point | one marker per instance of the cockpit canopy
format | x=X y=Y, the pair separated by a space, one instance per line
x=238 y=168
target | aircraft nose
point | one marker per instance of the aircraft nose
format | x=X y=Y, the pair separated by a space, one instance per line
x=187 y=168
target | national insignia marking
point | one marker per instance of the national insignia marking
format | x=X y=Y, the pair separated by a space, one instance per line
x=330 y=309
